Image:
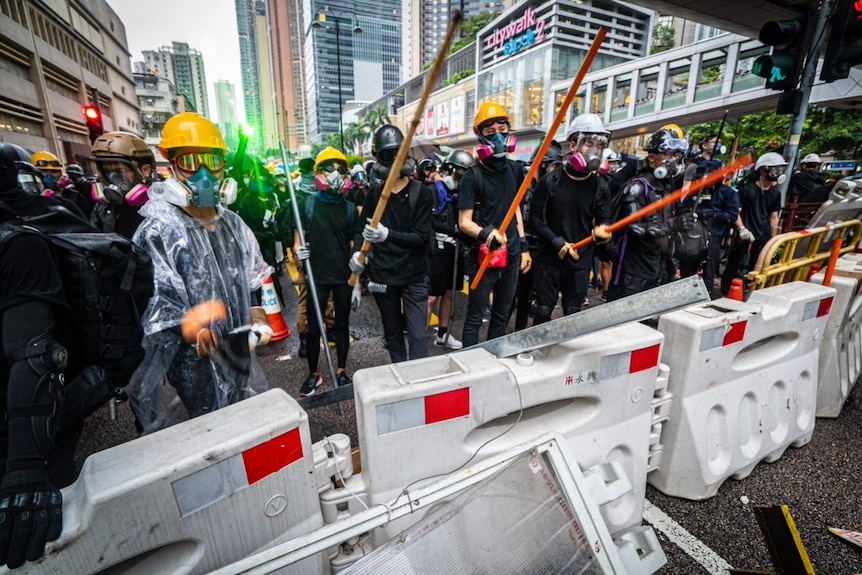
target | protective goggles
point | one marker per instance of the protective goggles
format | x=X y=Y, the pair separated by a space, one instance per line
x=598 y=140
x=193 y=161
x=329 y=168
x=49 y=164
x=673 y=145
x=775 y=171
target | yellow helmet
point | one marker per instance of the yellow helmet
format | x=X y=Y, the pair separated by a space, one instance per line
x=188 y=130
x=673 y=127
x=46 y=161
x=328 y=154
x=489 y=111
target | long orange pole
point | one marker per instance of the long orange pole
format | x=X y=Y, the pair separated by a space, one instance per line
x=546 y=142
x=709 y=180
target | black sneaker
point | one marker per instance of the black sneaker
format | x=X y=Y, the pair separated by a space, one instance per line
x=343 y=379
x=605 y=296
x=303 y=346
x=309 y=386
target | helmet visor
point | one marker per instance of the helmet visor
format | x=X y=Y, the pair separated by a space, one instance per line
x=30 y=183
x=192 y=161
x=387 y=156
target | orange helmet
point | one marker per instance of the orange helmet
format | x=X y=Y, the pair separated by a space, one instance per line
x=489 y=111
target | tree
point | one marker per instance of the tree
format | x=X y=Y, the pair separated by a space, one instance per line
x=470 y=29
x=377 y=117
x=663 y=38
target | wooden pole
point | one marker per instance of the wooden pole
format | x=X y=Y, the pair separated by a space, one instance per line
x=395 y=170
x=546 y=142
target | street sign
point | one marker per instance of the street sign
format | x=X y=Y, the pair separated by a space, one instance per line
x=841 y=166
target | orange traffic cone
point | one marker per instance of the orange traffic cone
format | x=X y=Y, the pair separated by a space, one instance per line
x=269 y=299
x=735 y=290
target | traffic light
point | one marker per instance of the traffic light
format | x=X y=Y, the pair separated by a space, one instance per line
x=842 y=53
x=788 y=38
x=93 y=119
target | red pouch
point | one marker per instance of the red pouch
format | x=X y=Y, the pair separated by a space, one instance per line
x=499 y=257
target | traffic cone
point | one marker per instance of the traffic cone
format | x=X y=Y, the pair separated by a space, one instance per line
x=269 y=300
x=735 y=290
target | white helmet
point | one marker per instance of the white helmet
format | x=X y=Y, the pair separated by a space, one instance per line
x=810 y=159
x=609 y=155
x=770 y=159
x=587 y=124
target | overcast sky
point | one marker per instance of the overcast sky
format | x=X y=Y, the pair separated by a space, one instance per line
x=208 y=26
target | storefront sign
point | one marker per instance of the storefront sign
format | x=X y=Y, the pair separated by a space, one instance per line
x=519 y=34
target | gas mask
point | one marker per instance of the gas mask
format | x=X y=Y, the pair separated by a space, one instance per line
x=203 y=190
x=450 y=183
x=381 y=170
x=776 y=174
x=331 y=181
x=667 y=168
x=591 y=161
x=119 y=189
x=497 y=146
x=50 y=181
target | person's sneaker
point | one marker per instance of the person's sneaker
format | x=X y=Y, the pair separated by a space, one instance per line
x=309 y=386
x=303 y=346
x=449 y=341
x=343 y=379
x=605 y=296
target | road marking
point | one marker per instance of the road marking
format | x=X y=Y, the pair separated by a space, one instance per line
x=694 y=547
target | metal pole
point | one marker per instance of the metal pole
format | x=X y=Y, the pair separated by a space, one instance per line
x=792 y=146
x=340 y=97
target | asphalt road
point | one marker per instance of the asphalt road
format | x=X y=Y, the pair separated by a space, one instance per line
x=818 y=481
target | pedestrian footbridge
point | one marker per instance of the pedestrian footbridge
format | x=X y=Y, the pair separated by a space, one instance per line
x=689 y=85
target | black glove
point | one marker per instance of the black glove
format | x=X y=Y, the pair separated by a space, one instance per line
x=684 y=221
x=31 y=514
x=657 y=231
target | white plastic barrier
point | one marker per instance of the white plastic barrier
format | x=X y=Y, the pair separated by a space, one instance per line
x=429 y=417
x=193 y=497
x=840 y=352
x=744 y=380
x=844 y=203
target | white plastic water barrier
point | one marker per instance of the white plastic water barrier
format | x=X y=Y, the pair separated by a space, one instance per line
x=193 y=497
x=744 y=380
x=429 y=417
x=841 y=351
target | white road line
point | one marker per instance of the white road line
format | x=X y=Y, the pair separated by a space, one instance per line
x=694 y=547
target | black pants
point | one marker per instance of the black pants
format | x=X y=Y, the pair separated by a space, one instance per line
x=735 y=259
x=341 y=299
x=557 y=278
x=404 y=307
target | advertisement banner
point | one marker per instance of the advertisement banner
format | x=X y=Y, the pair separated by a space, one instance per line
x=456 y=115
x=429 y=122
x=442 y=112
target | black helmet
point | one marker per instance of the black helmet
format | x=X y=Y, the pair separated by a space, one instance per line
x=387 y=139
x=426 y=166
x=16 y=169
x=459 y=159
x=75 y=170
x=554 y=152
x=666 y=140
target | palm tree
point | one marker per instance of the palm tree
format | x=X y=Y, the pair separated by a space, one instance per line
x=377 y=117
x=353 y=135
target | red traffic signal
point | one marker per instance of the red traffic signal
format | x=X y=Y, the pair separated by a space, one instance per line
x=93 y=119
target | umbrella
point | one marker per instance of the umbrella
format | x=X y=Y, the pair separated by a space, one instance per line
x=422 y=148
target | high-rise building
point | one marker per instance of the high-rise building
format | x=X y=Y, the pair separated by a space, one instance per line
x=286 y=39
x=225 y=96
x=425 y=23
x=352 y=52
x=267 y=132
x=184 y=67
x=246 y=28
x=56 y=57
x=158 y=101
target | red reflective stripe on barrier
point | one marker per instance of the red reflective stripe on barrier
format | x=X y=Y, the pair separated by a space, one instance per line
x=803 y=232
x=447 y=405
x=645 y=358
x=825 y=306
x=276 y=454
x=735 y=334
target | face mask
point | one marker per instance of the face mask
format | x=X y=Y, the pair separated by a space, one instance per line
x=49 y=181
x=450 y=183
x=775 y=174
x=205 y=188
x=137 y=196
x=666 y=169
x=581 y=164
x=497 y=146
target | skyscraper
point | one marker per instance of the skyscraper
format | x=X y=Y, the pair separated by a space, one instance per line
x=246 y=12
x=352 y=52
x=268 y=127
x=184 y=67
x=225 y=96
x=286 y=38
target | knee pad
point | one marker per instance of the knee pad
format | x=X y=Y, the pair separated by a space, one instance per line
x=544 y=311
x=36 y=388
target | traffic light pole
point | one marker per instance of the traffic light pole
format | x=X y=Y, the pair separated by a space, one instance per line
x=791 y=147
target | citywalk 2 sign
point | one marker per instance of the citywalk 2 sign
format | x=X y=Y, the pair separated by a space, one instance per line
x=519 y=34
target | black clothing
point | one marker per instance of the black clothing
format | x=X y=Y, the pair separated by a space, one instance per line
x=565 y=210
x=329 y=237
x=757 y=204
x=808 y=187
x=402 y=259
x=490 y=200
x=122 y=219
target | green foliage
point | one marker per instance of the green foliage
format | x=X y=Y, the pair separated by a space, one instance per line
x=663 y=38
x=826 y=130
x=711 y=74
x=470 y=29
x=458 y=76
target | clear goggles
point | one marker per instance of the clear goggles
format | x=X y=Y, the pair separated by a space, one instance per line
x=775 y=171
x=597 y=140
x=333 y=167
x=673 y=145
x=48 y=165
x=193 y=161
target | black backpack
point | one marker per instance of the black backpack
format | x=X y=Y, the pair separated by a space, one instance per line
x=107 y=280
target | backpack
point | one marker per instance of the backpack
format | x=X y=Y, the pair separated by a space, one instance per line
x=108 y=282
x=309 y=215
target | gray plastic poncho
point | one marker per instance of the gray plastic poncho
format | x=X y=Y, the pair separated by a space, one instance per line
x=191 y=265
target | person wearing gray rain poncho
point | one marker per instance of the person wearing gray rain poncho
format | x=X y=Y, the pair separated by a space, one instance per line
x=202 y=324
